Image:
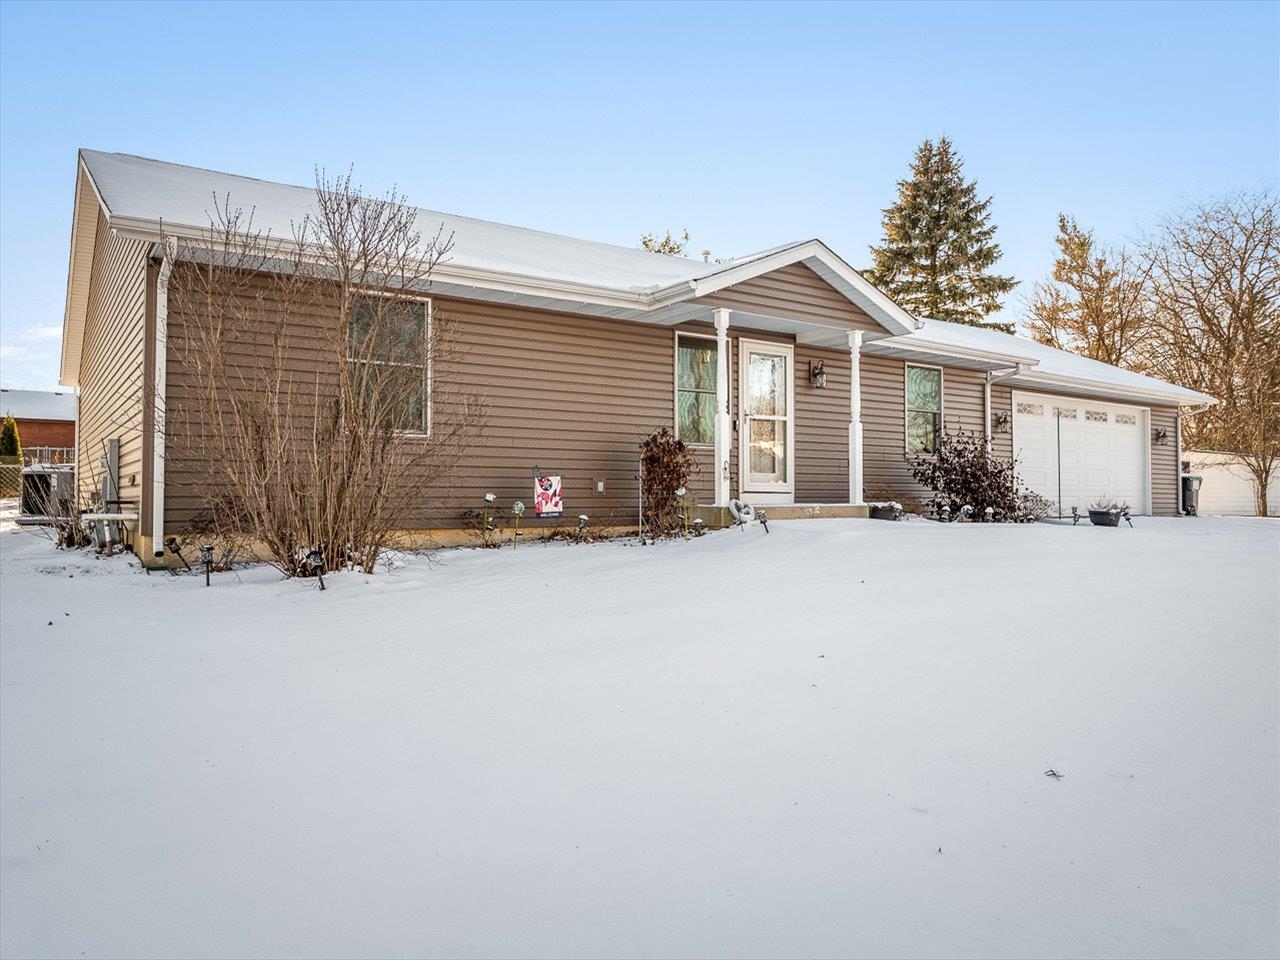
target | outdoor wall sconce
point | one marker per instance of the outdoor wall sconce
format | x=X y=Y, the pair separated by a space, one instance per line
x=1160 y=436
x=1000 y=422
x=817 y=375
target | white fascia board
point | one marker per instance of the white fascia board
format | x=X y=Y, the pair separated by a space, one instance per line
x=444 y=271
x=1034 y=379
x=913 y=344
x=71 y=378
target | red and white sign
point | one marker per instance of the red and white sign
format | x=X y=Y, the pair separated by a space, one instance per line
x=547 y=501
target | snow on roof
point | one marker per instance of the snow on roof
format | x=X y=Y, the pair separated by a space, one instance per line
x=147 y=190
x=38 y=404
x=1049 y=362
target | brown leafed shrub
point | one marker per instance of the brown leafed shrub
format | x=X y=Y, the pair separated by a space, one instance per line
x=964 y=473
x=666 y=466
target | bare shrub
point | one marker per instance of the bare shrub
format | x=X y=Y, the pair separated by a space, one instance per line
x=964 y=472
x=312 y=359
x=666 y=466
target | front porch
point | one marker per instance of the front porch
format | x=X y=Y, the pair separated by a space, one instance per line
x=717 y=518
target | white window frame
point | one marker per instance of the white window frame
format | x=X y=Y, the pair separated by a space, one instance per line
x=428 y=369
x=906 y=407
x=675 y=395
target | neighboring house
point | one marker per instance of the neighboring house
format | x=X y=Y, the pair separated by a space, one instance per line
x=585 y=347
x=46 y=423
x=1227 y=487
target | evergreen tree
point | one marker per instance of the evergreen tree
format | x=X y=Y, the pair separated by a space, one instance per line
x=10 y=444
x=939 y=244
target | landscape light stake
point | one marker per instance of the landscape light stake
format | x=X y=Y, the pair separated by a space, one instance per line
x=316 y=559
x=582 y=526
x=206 y=554
x=172 y=546
x=517 y=510
x=684 y=510
x=489 y=498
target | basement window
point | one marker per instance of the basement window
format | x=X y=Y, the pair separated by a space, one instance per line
x=389 y=359
x=695 y=389
x=924 y=409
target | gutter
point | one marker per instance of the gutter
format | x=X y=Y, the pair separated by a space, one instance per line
x=1120 y=391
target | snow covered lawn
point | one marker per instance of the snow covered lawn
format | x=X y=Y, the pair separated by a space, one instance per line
x=827 y=741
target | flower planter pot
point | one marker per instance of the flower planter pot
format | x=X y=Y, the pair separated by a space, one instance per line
x=1105 y=518
x=884 y=511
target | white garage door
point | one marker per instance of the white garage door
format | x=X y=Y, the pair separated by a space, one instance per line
x=1076 y=452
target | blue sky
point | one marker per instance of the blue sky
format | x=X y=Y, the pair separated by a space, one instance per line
x=749 y=125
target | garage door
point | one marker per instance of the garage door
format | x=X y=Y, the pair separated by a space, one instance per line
x=1076 y=452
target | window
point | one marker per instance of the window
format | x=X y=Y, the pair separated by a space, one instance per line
x=1066 y=413
x=1031 y=409
x=924 y=409
x=695 y=389
x=1126 y=418
x=388 y=356
x=1096 y=416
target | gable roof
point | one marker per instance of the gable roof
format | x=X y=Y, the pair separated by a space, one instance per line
x=145 y=198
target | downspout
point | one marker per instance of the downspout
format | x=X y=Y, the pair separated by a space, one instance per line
x=995 y=376
x=158 y=400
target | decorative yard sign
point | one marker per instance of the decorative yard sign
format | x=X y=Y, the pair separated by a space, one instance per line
x=547 y=501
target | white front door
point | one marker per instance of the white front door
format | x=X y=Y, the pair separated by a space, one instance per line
x=1077 y=452
x=766 y=435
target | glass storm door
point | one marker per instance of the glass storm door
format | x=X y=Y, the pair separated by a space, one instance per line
x=768 y=418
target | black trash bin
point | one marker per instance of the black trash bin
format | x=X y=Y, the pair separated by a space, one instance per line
x=1190 y=494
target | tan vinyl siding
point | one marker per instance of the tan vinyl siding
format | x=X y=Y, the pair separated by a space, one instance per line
x=886 y=469
x=111 y=363
x=1165 y=469
x=572 y=395
x=794 y=292
x=822 y=428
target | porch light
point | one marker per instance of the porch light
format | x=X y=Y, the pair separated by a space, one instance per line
x=817 y=374
x=1160 y=435
x=1000 y=422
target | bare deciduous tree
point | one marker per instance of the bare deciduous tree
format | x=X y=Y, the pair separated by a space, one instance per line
x=1216 y=325
x=1094 y=304
x=667 y=244
x=311 y=364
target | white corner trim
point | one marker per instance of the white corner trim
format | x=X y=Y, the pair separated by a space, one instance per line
x=855 y=417
x=723 y=425
x=161 y=360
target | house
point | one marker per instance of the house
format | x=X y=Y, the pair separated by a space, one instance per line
x=799 y=383
x=46 y=423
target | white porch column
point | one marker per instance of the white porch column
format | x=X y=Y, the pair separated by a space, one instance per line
x=723 y=425
x=855 y=416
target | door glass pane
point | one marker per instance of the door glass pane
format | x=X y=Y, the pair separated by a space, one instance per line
x=767 y=385
x=769 y=450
